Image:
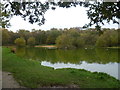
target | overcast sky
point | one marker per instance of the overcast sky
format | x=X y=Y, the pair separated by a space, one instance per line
x=59 y=18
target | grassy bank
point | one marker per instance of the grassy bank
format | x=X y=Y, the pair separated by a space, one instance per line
x=114 y=47
x=31 y=74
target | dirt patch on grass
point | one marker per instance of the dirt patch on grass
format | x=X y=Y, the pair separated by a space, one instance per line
x=8 y=81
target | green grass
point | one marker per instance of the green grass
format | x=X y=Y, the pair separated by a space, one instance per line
x=114 y=47
x=30 y=73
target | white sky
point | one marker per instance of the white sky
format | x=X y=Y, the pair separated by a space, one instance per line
x=59 y=18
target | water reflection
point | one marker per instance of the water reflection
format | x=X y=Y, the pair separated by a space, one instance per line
x=98 y=59
x=98 y=55
x=110 y=68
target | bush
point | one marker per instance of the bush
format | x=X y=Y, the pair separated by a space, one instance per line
x=65 y=41
x=80 y=42
x=108 y=39
x=76 y=39
x=20 y=42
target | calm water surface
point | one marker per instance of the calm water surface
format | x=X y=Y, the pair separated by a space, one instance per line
x=98 y=59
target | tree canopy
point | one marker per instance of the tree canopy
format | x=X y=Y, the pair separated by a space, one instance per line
x=97 y=12
x=62 y=38
x=20 y=42
x=31 y=41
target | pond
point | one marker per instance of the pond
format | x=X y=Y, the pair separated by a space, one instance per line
x=95 y=60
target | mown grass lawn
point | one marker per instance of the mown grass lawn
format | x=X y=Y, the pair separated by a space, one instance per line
x=30 y=73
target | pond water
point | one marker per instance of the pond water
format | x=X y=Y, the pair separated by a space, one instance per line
x=95 y=60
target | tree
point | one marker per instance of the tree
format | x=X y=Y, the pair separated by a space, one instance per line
x=20 y=42
x=0 y=37
x=4 y=16
x=74 y=34
x=108 y=39
x=100 y=12
x=90 y=37
x=40 y=36
x=114 y=37
x=80 y=42
x=24 y=33
x=31 y=41
x=97 y=12
x=13 y=36
x=52 y=35
x=67 y=38
x=65 y=41
x=5 y=36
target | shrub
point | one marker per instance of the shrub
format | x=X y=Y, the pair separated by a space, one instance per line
x=20 y=42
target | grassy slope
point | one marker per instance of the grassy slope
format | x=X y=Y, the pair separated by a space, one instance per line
x=32 y=74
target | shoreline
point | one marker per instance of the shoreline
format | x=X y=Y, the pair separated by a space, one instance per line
x=46 y=46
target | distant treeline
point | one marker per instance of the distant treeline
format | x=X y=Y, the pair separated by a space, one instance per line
x=63 y=38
